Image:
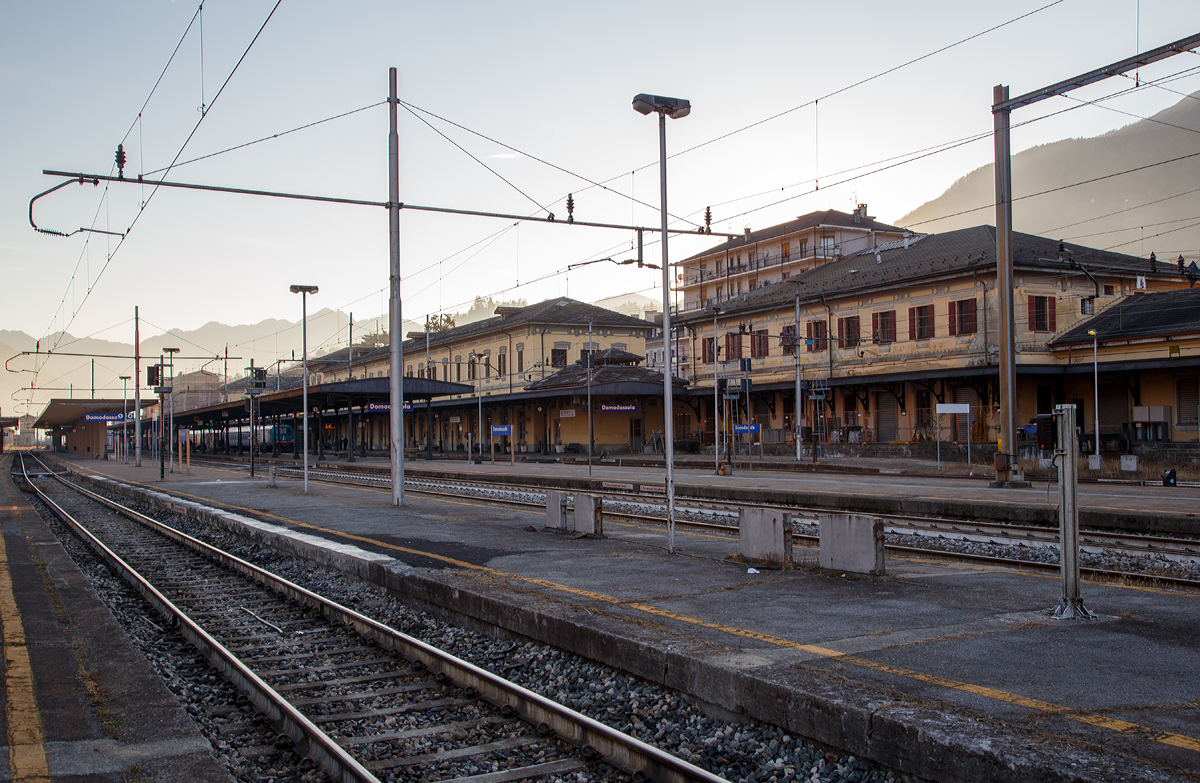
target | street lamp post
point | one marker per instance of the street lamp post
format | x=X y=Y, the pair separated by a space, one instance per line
x=171 y=424
x=478 y=396
x=1096 y=390
x=591 y=431
x=675 y=108
x=304 y=291
x=124 y=419
x=716 y=394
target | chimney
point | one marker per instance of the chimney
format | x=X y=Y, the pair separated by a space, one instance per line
x=747 y=230
x=906 y=236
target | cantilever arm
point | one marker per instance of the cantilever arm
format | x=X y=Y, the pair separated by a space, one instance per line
x=79 y=180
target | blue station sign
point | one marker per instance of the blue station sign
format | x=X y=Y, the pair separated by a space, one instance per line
x=746 y=429
x=106 y=417
x=386 y=407
x=501 y=429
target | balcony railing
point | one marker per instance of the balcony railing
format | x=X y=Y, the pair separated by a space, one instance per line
x=763 y=261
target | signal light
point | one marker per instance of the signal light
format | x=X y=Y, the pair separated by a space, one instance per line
x=120 y=158
x=570 y=208
x=154 y=375
x=1047 y=431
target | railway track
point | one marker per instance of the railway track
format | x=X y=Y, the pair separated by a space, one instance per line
x=692 y=514
x=360 y=699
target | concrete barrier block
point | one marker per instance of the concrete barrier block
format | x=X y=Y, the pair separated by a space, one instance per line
x=271 y=481
x=556 y=509
x=589 y=514
x=851 y=542
x=765 y=536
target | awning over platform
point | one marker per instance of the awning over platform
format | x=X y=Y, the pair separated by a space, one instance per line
x=61 y=412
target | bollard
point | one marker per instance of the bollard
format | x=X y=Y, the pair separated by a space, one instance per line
x=765 y=536
x=851 y=542
x=1169 y=478
x=556 y=509
x=589 y=514
x=271 y=480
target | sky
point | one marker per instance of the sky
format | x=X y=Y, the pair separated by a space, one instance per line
x=549 y=80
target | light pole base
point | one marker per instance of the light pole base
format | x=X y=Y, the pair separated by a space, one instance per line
x=1020 y=484
x=1072 y=609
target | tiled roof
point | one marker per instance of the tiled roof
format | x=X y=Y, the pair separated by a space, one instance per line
x=934 y=255
x=830 y=217
x=575 y=376
x=1141 y=315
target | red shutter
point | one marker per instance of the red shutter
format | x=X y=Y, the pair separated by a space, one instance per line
x=1050 y=314
x=875 y=328
x=841 y=333
x=971 y=308
x=912 y=323
x=953 y=318
x=929 y=320
x=808 y=346
x=1033 y=314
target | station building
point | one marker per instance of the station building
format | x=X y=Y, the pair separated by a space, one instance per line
x=880 y=336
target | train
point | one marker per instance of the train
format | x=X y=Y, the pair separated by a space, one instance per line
x=268 y=437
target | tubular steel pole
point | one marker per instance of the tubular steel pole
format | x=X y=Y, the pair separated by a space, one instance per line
x=1096 y=393
x=396 y=336
x=668 y=388
x=349 y=402
x=1070 y=605
x=797 y=408
x=304 y=343
x=1009 y=471
x=716 y=399
x=137 y=392
x=591 y=432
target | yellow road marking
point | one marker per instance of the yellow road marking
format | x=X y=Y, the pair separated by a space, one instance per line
x=26 y=751
x=1113 y=724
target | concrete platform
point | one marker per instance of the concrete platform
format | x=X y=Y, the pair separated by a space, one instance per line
x=80 y=702
x=944 y=672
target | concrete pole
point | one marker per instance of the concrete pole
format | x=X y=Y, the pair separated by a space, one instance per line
x=304 y=343
x=588 y=366
x=396 y=337
x=1096 y=392
x=716 y=398
x=1009 y=472
x=137 y=392
x=668 y=386
x=798 y=407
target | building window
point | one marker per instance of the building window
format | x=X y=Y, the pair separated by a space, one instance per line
x=883 y=327
x=471 y=369
x=501 y=364
x=558 y=357
x=520 y=360
x=1087 y=306
x=733 y=347
x=487 y=364
x=962 y=316
x=787 y=339
x=815 y=336
x=803 y=248
x=785 y=252
x=707 y=350
x=1110 y=290
x=920 y=322
x=759 y=346
x=1041 y=314
x=458 y=368
x=848 y=332
x=1187 y=401
x=408 y=371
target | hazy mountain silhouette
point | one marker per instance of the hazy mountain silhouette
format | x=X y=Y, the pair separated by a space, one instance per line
x=1062 y=214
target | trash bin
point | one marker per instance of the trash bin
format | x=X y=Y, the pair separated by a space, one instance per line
x=1169 y=479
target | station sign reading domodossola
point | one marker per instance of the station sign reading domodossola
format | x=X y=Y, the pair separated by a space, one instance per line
x=107 y=416
x=619 y=407
x=386 y=407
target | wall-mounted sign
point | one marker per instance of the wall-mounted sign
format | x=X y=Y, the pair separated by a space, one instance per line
x=455 y=419
x=566 y=413
x=104 y=417
x=619 y=407
x=953 y=407
x=501 y=429
x=386 y=407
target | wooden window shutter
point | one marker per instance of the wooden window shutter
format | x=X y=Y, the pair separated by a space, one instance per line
x=1033 y=313
x=808 y=335
x=953 y=318
x=841 y=333
x=912 y=323
x=1050 y=314
x=971 y=308
x=875 y=328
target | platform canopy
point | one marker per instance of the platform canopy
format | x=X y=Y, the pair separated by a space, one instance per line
x=9 y=421
x=59 y=412
x=327 y=396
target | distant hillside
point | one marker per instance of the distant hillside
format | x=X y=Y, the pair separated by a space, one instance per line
x=1170 y=226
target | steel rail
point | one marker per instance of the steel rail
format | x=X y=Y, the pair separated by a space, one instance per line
x=592 y=737
x=309 y=740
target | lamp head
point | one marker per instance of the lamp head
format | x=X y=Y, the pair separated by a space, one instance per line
x=675 y=108
x=170 y=350
x=304 y=289
x=1092 y=332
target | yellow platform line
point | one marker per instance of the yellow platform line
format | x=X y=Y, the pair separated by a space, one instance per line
x=1123 y=727
x=26 y=751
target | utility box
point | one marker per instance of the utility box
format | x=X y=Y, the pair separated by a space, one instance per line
x=556 y=509
x=1094 y=462
x=589 y=514
x=1129 y=463
x=1170 y=479
x=765 y=536
x=851 y=542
